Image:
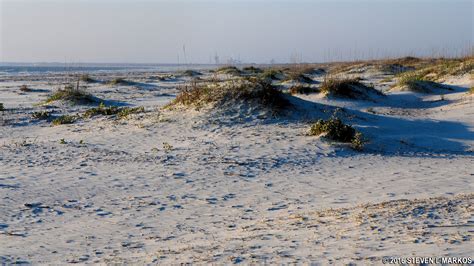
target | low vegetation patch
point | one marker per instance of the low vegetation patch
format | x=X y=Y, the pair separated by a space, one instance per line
x=41 y=115
x=121 y=112
x=348 y=88
x=71 y=94
x=2 y=107
x=254 y=90
x=301 y=89
x=229 y=70
x=64 y=119
x=335 y=129
x=471 y=90
x=417 y=82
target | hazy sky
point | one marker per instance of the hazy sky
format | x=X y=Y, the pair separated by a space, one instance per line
x=149 y=31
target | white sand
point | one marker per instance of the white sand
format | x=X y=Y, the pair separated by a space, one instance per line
x=230 y=192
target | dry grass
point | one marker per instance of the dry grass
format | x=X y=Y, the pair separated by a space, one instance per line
x=347 y=88
x=71 y=94
x=301 y=89
x=252 y=90
x=229 y=70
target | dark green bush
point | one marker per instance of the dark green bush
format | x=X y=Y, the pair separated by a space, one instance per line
x=71 y=94
x=335 y=129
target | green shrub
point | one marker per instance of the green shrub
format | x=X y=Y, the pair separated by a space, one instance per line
x=335 y=129
x=64 y=119
x=301 y=89
x=71 y=94
x=41 y=115
x=2 y=108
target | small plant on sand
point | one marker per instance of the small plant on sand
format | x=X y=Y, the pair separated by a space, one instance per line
x=2 y=108
x=101 y=110
x=335 y=129
x=125 y=112
x=347 y=88
x=301 y=89
x=167 y=147
x=62 y=141
x=71 y=94
x=113 y=110
x=41 y=115
x=24 y=88
x=64 y=119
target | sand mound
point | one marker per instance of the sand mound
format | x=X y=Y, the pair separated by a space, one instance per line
x=243 y=95
x=349 y=88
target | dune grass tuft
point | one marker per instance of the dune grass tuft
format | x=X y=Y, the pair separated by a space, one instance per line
x=2 y=107
x=417 y=82
x=24 y=88
x=253 y=90
x=118 y=81
x=71 y=94
x=252 y=70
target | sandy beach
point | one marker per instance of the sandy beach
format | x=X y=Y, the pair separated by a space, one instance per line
x=234 y=183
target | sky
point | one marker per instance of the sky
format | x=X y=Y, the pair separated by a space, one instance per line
x=259 y=31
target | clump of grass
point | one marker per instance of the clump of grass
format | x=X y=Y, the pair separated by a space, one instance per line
x=301 y=89
x=24 y=88
x=86 y=78
x=471 y=90
x=2 y=107
x=113 y=110
x=41 y=115
x=125 y=112
x=255 y=90
x=101 y=110
x=348 y=88
x=64 y=119
x=299 y=77
x=417 y=82
x=252 y=70
x=71 y=94
x=229 y=70
x=335 y=129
